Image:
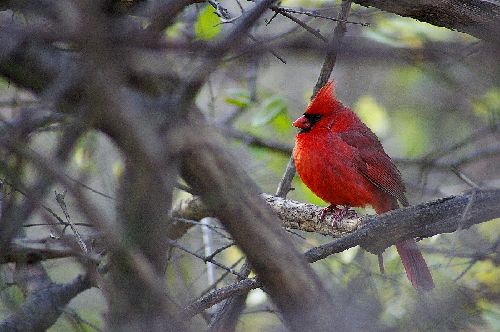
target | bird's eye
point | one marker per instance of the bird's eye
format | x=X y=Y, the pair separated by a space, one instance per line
x=313 y=118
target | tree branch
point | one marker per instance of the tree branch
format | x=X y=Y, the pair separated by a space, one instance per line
x=378 y=232
x=256 y=141
x=226 y=317
x=479 y=18
x=44 y=299
x=28 y=250
x=427 y=219
x=220 y=294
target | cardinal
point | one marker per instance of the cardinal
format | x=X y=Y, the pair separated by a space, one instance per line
x=342 y=161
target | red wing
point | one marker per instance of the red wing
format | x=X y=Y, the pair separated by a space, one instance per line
x=377 y=166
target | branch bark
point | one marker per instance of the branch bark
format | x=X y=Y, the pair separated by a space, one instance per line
x=444 y=215
x=28 y=250
x=44 y=299
x=479 y=18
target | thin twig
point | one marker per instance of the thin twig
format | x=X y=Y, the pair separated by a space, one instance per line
x=279 y=57
x=313 y=13
x=222 y=277
x=465 y=178
x=205 y=259
x=219 y=250
x=46 y=208
x=62 y=204
x=311 y=30
x=95 y=191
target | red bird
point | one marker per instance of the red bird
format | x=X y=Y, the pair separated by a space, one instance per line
x=342 y=161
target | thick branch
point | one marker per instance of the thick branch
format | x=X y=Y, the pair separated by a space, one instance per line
x=218 y=295
x=444 y=215
x=479 y=18
x=293 y=214
x=377 y=232
x=228 y=313
x=44 y=302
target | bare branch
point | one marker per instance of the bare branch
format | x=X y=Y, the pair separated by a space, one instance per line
x=44 y=299
x=218 y=295
x=473 y=156
x=206 y=259
x=422 y=220
x=33 y=250
x=286 y=14
x=226 y=317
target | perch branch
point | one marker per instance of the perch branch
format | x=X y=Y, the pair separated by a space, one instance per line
x=377 y=232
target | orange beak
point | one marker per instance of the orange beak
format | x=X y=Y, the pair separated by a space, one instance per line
x=302 y=123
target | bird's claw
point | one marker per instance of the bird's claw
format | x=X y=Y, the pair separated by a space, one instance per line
x=325 y=211
x=338 y=213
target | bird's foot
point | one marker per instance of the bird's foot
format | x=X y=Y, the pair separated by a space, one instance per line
x=338 y=213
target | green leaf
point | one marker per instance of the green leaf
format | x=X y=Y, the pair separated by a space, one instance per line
x=271 y=108
x=83 y=155
x=238 y=97
x=282 y=124
x=207 y=24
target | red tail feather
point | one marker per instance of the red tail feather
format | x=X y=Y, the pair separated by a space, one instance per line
x=416 y=268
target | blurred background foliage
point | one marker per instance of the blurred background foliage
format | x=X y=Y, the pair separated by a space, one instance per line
x=418 y=105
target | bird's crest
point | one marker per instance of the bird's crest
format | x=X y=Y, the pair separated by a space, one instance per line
x=324 y=102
